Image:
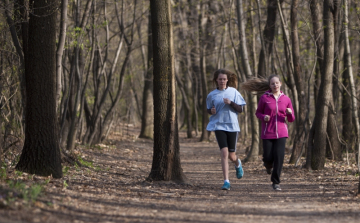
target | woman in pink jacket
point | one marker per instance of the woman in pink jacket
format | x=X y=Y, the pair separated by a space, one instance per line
x=273 y=110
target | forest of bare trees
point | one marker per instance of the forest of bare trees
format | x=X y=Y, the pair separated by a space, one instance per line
x=100 y=71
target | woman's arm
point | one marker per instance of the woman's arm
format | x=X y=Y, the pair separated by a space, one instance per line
x=260 y=109
x=291 y=116
x=238 y=108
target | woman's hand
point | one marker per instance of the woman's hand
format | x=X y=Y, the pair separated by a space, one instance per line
x=213 y=110
x=288 y=111
x=267 y=118
x=227 y=101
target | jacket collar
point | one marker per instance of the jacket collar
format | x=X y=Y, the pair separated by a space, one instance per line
x=271 y=94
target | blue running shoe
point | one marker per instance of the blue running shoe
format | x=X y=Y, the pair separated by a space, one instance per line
x=226 y=186
x=239 y=171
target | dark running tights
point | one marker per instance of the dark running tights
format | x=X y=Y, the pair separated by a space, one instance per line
x=273 y=156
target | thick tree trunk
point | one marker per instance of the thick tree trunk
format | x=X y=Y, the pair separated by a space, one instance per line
x=325 y=92
x=333 y=149
x=41 y=152
x=316 y=18
x=166 y=158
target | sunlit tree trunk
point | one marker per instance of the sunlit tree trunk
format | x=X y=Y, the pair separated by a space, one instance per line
x=325 y=92
x=60 y=49
x=333 y=148
x=252 y=99
x=166 y=157
x=348 y=65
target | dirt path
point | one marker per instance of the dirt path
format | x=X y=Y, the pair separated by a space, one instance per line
x=114 y=190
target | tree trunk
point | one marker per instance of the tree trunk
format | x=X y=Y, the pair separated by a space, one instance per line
x=60 y=49
x=316 y=19
x=325 y=92
x=195 y=60
x=300 y=86
x=348 y=66
x=204 y=90
x=268 y=35
x=333 y=149
x=252 y=99
x=346 y=110
x=41 y=152
x=166 y=158
x=147 y=122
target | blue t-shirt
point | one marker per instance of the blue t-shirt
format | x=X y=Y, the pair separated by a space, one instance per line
x=226 y=117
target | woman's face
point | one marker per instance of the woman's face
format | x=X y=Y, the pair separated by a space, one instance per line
x=275 y=85
x=222 y=81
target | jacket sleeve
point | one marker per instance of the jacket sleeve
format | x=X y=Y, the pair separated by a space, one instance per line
x=290 y=117
x=260 y=110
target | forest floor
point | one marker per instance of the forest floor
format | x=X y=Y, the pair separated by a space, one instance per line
x=111 y=186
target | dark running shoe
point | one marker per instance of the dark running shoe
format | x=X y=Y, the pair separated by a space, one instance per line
x=268 y=170
x=276 y=187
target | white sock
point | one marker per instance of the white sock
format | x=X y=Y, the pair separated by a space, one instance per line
x=239 y=164
x=226 y=181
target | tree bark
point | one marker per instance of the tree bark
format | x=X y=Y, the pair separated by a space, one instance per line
x=325 y=91
x=300 y=86
x=268 y=38
x=333 y=149
x=204 y=90
x=348 y=66
x=166 y=157
x=252 y=99
x=60 y=48
x=316 y=18
x=41 y=152
x=346 y=111
x=147 y=121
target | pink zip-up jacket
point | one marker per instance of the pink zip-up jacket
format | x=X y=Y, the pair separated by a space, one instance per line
x=276 y=127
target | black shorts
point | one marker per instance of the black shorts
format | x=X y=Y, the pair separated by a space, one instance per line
x=226 y=139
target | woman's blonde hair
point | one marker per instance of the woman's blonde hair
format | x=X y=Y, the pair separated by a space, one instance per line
x=259 y=85
x=232 y=78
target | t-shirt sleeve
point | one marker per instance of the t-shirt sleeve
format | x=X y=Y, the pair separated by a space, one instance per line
x=209 y=101
x=239 y=99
